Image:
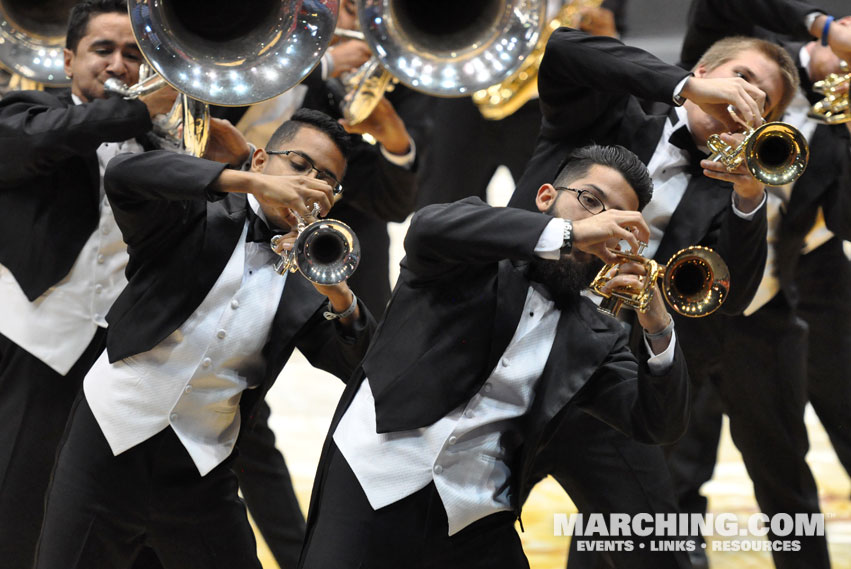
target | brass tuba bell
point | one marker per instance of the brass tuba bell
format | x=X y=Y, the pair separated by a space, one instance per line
x=227 y=53
x=775 y=153
x=326 y=251
x=448 y=48
x=695 y=282
x=32 y=38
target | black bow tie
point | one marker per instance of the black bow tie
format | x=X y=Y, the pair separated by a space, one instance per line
x=682 y=139
x=258 y=230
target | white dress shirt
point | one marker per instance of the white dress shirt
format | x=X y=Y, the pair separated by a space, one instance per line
x=465 y=453
x=57 y=327
x=669 y=169
x=194 y=379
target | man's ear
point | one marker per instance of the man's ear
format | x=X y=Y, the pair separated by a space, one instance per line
x=68 y=58
x=259 y=160
x=546 y=197
x=700 y=70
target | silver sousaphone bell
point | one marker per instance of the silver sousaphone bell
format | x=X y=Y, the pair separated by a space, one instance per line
x=326 y=251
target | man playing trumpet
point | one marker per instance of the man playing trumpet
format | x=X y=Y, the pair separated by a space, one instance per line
x=196 y=339
x=485 y=345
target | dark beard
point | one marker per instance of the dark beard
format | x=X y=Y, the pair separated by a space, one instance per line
x=564 y=279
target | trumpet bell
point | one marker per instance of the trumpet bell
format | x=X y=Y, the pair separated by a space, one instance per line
x=32 y=38
x=233 y=53
x=449 y=48
x=327 y=252
x=776 y=154
x=696 y=281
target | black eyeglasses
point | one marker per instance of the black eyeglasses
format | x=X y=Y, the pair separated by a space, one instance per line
x=302 y=164
x=590 y=202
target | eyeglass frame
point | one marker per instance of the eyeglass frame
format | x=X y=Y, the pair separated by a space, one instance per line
x=336 y=187
x=579 y=194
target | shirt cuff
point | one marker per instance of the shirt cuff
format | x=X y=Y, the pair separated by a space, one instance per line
x=677 y=98
x=661 y=363
x=551 y=239
x=402 y=160
x=748 y=216
x=326 y=66
x=810 y=18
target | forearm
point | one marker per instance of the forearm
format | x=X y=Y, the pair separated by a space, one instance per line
x=742 y=245
x=38 y=136
x=577 y=61
x=470 y=232
x=162 y=176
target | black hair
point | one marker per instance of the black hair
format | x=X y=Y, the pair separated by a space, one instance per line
x=82 y=13
x=580 y=160
x=312 y=119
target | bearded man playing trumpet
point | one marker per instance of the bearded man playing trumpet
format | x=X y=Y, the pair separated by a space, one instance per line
x=485 y=344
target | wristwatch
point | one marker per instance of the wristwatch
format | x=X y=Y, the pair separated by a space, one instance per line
x=331 y=315
x=567 y=242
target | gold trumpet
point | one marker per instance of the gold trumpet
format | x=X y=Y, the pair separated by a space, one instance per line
x=834 y=108
x=775 y=153
x=365 y=86
x=695 y=282
x=326 y=251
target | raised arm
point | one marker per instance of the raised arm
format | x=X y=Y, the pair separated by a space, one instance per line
x=584 y=78
x=38 y=132
x=445 y=238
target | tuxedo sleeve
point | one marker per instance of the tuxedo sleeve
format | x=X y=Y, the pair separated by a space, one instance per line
x=38 y=132
x=742 y=245
x=374 y=185
x=329 y=346
x=836 y=203
x=711 y=20
x=155 y=193
x=585 y=80
x=628 y=396
x=444 y=239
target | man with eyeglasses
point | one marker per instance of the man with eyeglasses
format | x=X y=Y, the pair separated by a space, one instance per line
x=485 y=343
x=196 y=339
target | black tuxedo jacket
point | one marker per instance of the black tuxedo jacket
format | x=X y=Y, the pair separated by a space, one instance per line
x=49 y=178
x=454 y=310
x=180 y=236
x=590 y=90
x=751 y=18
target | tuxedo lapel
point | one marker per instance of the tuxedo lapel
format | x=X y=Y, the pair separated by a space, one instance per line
x=581 y=344
x=703 y=199
x=298 y=303
x=510 y=299
x=225 y=220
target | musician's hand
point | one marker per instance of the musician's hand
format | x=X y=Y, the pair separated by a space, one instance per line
x=339 y=295
x=599 y=233
x=630 y=278
x=749 y=190
x=160 y=101
x=598 y=21
x=280 y=194
x=226 y=144
x=713 y=94
x=348 y=55
x=839 y=38
x=386 y=126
